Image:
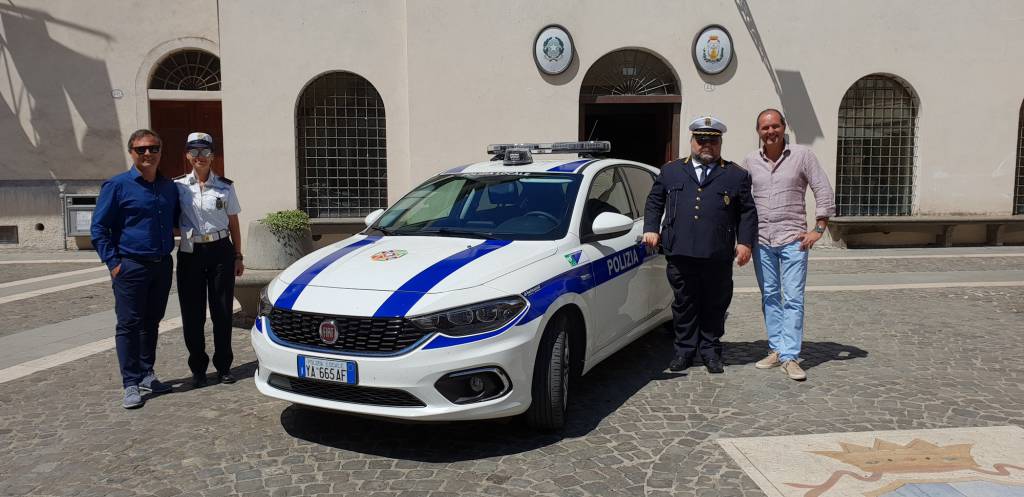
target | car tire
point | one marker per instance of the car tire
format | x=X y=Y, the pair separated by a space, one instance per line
x=551 y=373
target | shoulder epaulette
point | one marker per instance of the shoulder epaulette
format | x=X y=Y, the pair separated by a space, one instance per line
x=226 y=180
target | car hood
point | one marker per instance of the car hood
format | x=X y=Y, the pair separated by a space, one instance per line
x=413 y=263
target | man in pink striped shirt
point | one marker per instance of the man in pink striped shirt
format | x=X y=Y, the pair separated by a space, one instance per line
x=781 y=174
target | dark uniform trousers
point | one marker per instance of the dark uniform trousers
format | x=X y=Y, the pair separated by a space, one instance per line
x=141 y=288
x=703 y=222
x=207 y=275
x=703 y=292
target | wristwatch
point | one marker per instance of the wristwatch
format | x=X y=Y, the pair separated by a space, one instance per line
x=819 y=230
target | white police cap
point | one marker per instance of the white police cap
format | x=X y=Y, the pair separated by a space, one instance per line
x=707 y=125
x=199 y=140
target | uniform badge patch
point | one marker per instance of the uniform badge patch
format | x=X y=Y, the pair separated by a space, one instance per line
x=726 y=199
x=574 y=258
x=387 y=255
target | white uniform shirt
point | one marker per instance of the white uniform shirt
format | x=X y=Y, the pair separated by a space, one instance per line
x=205 y=211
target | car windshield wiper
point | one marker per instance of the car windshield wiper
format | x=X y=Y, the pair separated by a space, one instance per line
x=386 y=232
x=461 y=233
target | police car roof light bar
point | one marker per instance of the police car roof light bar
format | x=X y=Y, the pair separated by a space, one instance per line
x=584 y=149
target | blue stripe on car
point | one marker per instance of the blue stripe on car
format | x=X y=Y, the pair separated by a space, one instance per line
x=577 y=280
x=290 y=294
x=584 y=278
x=399 y=303
x=259 y=324
x=570 y=167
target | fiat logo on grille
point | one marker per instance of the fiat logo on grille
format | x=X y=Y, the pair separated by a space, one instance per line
x=329 y=331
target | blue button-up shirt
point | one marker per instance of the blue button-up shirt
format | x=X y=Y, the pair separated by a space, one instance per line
x=134 y=217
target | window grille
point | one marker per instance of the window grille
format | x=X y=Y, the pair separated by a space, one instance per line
x=1018 y=190
x=341 y=147
x=193 y=70
x=877 y=148
x=629 y=72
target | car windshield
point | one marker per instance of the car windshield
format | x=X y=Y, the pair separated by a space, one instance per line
x=500 y=206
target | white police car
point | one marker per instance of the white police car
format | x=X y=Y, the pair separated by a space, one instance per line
x=480 y=294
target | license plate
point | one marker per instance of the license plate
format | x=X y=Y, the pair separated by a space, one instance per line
x=327 y=370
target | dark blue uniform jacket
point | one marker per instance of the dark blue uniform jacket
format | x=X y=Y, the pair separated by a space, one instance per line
x=704 y=221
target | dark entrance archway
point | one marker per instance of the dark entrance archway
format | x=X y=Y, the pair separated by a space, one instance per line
x=184 y=81
x=631 y=98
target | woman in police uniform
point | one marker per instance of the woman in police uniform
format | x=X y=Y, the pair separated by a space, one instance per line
x=209 y=259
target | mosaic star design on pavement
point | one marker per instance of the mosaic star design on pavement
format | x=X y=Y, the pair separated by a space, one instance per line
x=956 y=462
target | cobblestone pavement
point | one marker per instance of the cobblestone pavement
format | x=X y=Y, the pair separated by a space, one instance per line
x=876 y=360
x=14 y=272
x=55 y=307
x=860 y=266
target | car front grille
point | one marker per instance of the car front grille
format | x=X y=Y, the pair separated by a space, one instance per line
x=355 y=334
x=354 y=394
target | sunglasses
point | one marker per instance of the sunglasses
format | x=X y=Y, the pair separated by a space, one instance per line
x=703 y=140
x=200 y=152
x=153 y=149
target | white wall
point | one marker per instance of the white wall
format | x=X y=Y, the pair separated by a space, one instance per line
x=270 y=51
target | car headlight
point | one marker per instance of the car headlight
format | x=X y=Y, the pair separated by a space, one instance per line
x=472 y=319
x=264 y=307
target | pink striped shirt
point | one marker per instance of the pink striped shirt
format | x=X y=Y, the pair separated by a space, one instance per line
x=780 y=189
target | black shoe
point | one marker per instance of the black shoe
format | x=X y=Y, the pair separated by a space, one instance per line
x=714 y=365
x=226 y=378
x=199 y=381
x=680 y=363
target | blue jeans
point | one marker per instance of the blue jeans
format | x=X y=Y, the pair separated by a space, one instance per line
x=782 y=275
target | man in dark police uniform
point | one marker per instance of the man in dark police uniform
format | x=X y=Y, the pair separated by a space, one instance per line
x=710 y=218
x=133 y=232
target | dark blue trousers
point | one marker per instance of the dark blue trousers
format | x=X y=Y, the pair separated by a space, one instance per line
x=140 y=299
x=703 y=291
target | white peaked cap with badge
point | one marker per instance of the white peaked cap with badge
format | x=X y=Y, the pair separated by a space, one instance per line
x=707 y=125
x=199 y=140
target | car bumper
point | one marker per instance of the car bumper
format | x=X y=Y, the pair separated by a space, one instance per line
x=414 y=373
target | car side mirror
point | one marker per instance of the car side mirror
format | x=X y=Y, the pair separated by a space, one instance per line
x=373 y=217
x=610 y=223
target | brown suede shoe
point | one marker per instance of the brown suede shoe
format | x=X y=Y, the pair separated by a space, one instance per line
x=794 y=371
x=768 y=362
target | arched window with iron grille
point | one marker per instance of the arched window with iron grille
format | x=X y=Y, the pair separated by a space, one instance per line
x=1018 y=186
x=341 y=147
x=877 y=148
x=190 y=70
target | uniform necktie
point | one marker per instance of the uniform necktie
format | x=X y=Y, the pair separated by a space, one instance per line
x=703 y=172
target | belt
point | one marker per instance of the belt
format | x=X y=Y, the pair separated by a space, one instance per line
x=143 y=259
x=210 y=237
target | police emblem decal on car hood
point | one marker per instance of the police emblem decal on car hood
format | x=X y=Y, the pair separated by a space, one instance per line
x=406 y=296
x=388 y=255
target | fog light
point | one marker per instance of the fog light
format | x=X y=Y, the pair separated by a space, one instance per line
x=474 y=385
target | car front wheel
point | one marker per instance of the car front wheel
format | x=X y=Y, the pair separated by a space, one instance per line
x=550 y=388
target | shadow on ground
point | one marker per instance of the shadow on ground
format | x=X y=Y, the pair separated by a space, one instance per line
x=595 y=396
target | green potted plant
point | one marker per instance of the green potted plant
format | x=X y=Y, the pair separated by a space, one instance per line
x=278 y=240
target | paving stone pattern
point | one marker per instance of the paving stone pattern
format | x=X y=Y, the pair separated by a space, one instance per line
x=15 y=272
x=937 y=265
x=61 y=306
x=878 y=360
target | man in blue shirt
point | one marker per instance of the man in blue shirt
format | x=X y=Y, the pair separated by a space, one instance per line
x=133 y=232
